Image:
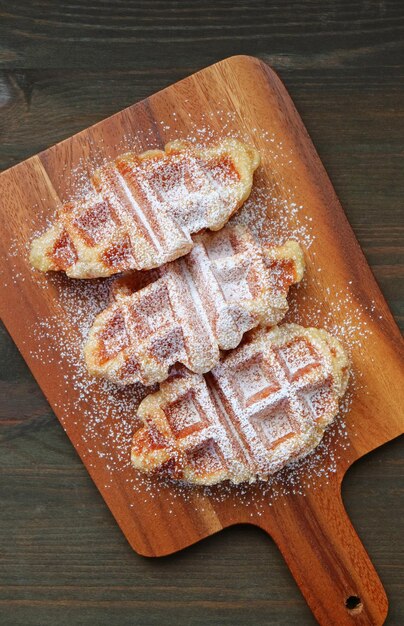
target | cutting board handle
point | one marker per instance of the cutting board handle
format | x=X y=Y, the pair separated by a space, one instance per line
x=327 y=558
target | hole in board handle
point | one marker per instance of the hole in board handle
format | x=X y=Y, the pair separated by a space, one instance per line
x=353 y=605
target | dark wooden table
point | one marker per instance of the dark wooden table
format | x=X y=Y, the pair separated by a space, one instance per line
x=66 y=65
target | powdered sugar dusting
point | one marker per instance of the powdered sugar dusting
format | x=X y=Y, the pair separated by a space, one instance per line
x=142 y=209
x=265 y=403
x=106 y=412
x=202 y=302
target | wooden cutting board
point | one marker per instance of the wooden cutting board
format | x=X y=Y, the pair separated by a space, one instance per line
x=302 y=510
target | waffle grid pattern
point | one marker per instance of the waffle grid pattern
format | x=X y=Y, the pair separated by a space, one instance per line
x=201 y=304
x=265 y=405
x=143 y=209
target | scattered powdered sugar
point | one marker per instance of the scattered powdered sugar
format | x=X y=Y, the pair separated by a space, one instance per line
x=265 y=403
x=106 y=413
x=202 y=302
x=142 y=210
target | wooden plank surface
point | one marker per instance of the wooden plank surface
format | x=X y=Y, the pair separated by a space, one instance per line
x=367 y=229
x=309 y=525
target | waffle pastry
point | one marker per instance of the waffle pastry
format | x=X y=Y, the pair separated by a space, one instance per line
x=267 y=403
x=204 y=302
x=144 y=208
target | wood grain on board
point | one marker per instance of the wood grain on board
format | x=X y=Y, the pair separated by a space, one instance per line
x=313 y=532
